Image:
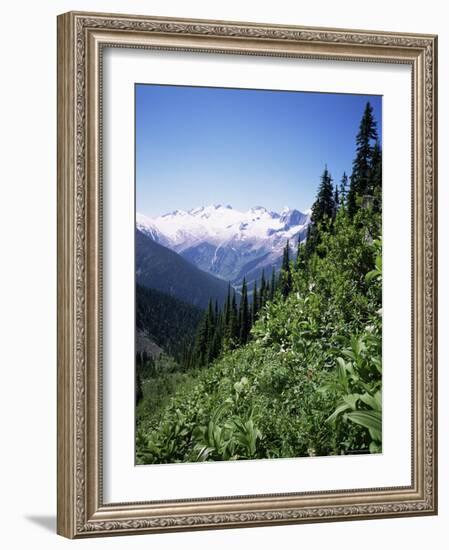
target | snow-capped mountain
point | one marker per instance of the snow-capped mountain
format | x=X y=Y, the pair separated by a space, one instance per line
x=226 y=242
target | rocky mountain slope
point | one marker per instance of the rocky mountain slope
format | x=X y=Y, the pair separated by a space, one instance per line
x=225 y=242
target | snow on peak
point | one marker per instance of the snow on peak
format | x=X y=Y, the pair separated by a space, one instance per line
x=227 y=242
x=141 y=219
x=147 y=226
x=221 y=225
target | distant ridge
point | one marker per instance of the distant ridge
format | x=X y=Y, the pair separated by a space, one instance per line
x=163 y=269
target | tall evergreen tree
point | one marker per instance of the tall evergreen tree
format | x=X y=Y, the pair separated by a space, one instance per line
x=244 y=315
x=255 y=304
x=361 y=166
x=211 y=314
x=324 y=206
x=263 y=290
x=336 y=200
x=139 y=390
x=273 y=284
x=286 y=274
x=227 y=329
x=205 y=336
x=324 y=210
x=267 y=295
x=202 y=341
x=216 y=343
x=188 y=358
x=286 y=257
x=234 y=322
x=300 y=257
x=343 y=189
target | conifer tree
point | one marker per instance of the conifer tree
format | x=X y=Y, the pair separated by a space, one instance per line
x=205 y=336
x=255 y=304
x=227 y=329
x=343 y=189
x=187 y=357
x=300 y=257
x=216 y=343
x=263 y=290
x=336 y=200
x=227 y=306
x=201 y=342
x=244 y=316
x=361 y=166
x=286 y=257
x=273 y=284
x=324 y=210
x=234 y=322
x=324 y=206
x=286 y=274
x=139 y=391
x=211 y=318
x=298 y=246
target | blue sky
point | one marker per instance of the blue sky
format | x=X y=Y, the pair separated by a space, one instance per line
x=198 y=146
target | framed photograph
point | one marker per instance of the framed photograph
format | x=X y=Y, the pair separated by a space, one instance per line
x=247 y=274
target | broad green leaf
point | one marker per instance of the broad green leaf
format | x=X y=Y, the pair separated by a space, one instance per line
x=379 y=263
x=371 y=275
x=341 y=371
x=203 y=454
x=351 y=400
x=368 y=419
x=341 y=408
x=371 y=401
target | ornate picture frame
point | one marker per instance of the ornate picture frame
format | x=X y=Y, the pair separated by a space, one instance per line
x=82 y=39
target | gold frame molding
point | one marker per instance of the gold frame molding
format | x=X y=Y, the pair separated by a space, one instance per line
x=81 y=38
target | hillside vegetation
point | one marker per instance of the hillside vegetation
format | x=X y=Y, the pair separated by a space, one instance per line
x=300 y=374
x=169 y=322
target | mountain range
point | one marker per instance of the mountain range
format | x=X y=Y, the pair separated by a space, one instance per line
x=227 y=243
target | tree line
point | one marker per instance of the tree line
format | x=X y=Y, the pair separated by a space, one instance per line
x=226 y=328
x=365 y=186
x=169 y=322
